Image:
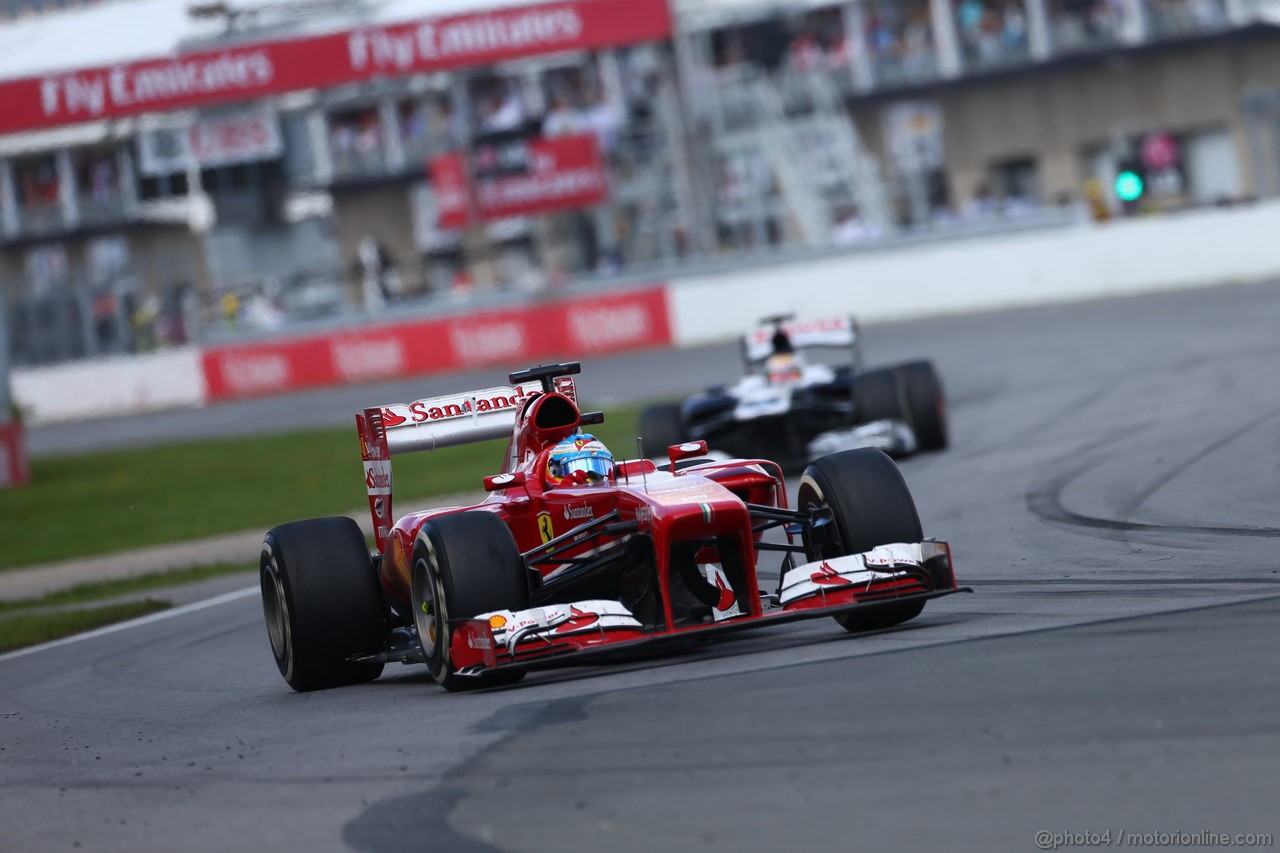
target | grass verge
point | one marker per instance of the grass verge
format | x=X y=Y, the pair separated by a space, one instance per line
x=99 y=503
x=29 y=629
x=98 y=590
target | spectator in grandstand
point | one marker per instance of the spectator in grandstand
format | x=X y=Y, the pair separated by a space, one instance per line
x=448 y=123
x=413 y=124
x=414 y=121
x=900 y=39
x=97 y=177
x=106 y=318
x=819 y=44
x=144 y=319
x=641 y=78
x=603 y=119
x=342 y=141
x=1017 y=206
x=502 y=109
x=1207 y=14
x=1013 y=20
x=229 y=307
x=1084 y=23
x=368 y=141
x=850 y=229
x=980 y=205
x=260 y=312
x=730 y=48
x=992 y=31
x=377 y=269
x=806 y=52
x=563 y=119
x=39 y=183
x=171 y=327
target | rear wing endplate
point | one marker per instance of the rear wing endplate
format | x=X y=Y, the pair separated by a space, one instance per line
x=433 y=423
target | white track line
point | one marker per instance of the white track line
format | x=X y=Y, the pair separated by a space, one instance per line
x=134 y=623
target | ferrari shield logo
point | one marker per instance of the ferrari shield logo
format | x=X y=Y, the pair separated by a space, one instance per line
x=545 y=530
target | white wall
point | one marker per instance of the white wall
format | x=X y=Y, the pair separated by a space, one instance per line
x=119 y=385
x=1168 y=252
x=1192 y=249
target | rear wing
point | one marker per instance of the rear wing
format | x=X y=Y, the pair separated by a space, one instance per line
x=433 y=423
x=831 y=332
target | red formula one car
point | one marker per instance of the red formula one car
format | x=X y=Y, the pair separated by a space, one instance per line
x=576 y=556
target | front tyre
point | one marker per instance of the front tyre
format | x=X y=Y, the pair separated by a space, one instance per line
x=464 y=565
x=660 y=427
x=322 y=603
x=926 y=403
x=877 y=396
x=870 y=506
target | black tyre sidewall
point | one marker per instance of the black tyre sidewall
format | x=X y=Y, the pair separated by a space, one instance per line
x=870 y=502
x=926 y=403
x=473 y=565
x=320 y=570
x=877 y=397
x=871 y=505
x=660 y=427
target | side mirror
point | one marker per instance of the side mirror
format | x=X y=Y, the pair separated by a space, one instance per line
x=496 y=482
x=688 y=450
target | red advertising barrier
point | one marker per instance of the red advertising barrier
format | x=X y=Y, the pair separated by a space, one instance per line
x=562 y=173
x=13 y=456
x=244 y=72
x=510 y=337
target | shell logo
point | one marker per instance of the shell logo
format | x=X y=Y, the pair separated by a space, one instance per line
x=497 y=623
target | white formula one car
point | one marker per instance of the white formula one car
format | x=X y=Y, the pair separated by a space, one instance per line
x=790 y=409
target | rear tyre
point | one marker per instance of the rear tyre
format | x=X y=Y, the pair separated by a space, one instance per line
x=926 y=403
x=660 y=427
x=876 y=396
x=464 y=565
x=322 y=603
x=870 y=506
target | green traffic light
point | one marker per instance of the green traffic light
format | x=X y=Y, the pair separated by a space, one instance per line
x=1129 y=186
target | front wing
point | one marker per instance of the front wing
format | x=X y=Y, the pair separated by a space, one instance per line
x=588 y=631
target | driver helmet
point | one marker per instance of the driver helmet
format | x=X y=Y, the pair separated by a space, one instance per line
x=580 y=460
x=783 y=368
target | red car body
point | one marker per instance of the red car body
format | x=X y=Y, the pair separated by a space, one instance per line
x=694 y=535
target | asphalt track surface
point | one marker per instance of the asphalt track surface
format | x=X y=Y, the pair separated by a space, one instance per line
x=1110 y=494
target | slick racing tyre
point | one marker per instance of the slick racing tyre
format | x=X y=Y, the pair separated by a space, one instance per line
x=660 y=427
x=876 y=396
x=926 y=404
x=870 y=506
x=463 y=565
x=322 y=603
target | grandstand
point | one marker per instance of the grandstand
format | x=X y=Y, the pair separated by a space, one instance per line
x=172 y=171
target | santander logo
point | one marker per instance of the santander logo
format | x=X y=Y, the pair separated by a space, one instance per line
x=456 y=406
x=377 y=477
